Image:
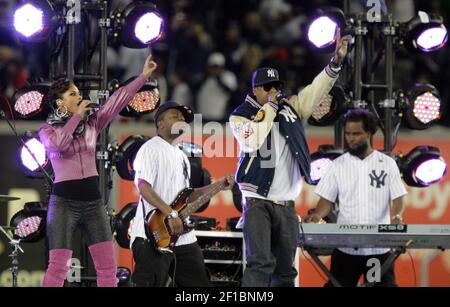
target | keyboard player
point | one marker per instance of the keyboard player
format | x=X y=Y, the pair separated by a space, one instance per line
x=364 y=183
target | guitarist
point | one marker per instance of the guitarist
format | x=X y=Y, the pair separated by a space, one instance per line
x=162 y=171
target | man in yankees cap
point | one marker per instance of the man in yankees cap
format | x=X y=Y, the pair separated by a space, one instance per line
x=274 y=156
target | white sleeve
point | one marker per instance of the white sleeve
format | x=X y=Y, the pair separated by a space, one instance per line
x=252 y=134
x=309 y=97
x=145 y=165
x=327 y=187
x=397 y=187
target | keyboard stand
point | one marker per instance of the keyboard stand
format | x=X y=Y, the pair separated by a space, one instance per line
x=395 y=253
x=323 y=267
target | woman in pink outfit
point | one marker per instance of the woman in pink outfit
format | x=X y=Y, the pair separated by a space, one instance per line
x=70 y=137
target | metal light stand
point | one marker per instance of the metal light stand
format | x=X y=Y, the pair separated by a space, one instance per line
x=14 y=256
x=102 y=153
x=389 y=104
x=362 y=29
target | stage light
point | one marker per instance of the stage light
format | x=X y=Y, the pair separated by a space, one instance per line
x=34 y=20
x=29 y=223
x=145 y=101
x=423 y=107
x=191 y=149
x=123 y=225
x=123 y=276
x=322 y=32
x=319 y=167
x=422 y=167
x=424 y=32
x=127 y=152
x=26 y=161
x=330 y=108
x=321 y=161
x=432 y=39
x=138 y=25
x=29 y=101
x=322 y=28
x=35 y=148
x=148 y=27
x=28 y=20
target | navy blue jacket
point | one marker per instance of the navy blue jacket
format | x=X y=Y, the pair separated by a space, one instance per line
x=251 y=175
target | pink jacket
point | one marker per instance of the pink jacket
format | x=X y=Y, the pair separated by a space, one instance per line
x=74 y=158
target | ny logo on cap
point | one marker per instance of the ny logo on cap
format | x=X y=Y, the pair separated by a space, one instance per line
x=271 y=73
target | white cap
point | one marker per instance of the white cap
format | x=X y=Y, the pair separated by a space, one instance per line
x=216 y=59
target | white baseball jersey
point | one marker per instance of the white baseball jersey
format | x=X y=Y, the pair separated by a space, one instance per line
x=167 y=169
x=364 y=190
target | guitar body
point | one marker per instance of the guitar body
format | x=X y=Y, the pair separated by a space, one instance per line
x=157 y=225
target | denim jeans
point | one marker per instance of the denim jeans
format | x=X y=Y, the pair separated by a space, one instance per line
x=271 y=238
x=64 y=216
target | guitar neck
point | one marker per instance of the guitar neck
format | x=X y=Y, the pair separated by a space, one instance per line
x=203 y=199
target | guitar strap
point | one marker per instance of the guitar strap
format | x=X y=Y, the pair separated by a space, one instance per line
x=186 y=174
x=143 y=209
x=144 y=215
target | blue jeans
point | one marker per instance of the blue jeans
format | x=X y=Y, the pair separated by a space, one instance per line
x=271 y=238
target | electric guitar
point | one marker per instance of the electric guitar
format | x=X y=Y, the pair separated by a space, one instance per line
x=157 y=225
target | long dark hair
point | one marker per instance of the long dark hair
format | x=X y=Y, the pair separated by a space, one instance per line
x=56 y=91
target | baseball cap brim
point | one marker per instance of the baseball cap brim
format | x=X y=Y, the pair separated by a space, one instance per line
x=187 y=112
x=267 y=82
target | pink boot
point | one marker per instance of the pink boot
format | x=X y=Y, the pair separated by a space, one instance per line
x=57 y=268
x=104 y=259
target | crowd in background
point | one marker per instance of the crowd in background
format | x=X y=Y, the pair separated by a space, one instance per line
x=210 y=49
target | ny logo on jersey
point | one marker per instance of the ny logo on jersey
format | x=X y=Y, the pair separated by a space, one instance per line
x=288 y=114
x=271 y=73
x=378 y=179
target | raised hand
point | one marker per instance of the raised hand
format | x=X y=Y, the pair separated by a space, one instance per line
x=341 y=47
x=149 y=66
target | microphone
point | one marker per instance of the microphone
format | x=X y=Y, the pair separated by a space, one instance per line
x=280 y=97
x=93 y=96
x=94 y=106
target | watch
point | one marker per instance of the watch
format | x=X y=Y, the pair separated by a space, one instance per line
x=335 y=65
x=173 y=214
